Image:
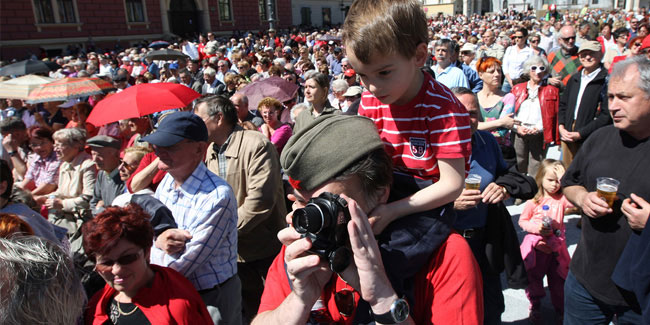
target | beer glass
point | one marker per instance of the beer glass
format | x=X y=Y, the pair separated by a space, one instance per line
x=473 y=182
x=606 y=188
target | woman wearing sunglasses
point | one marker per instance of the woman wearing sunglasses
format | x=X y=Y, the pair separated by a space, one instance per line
x=634 y=49
x=119 y=240
x=536 y=104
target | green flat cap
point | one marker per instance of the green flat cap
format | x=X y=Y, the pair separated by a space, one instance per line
x=326 y=147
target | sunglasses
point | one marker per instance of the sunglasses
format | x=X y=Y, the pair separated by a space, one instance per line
x=566 y=39
x=534 y=41
x=517 y=37
x=637 y=44
x=107 y=266
x=537 y=68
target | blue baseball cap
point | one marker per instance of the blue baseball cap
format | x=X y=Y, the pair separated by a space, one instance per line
x=176 y=127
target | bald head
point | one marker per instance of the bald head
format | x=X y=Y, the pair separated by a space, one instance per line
x=241 y=104
x=567 y=38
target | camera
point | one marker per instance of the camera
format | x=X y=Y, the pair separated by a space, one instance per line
x=324 y=220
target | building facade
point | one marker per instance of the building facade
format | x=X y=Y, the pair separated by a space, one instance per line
x=319 y=12
x=33 y=27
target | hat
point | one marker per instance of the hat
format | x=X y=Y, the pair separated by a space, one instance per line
x=646 y=43
x=268 y=48
x=590 y=46
x=468 y=47
x=104 y=141
x=120 y=77
x=287 y=49
x=271 y=30
x=349 y=73
x=176 y=127
x=337 y=50
x=326 y=147
x=353 y=91
x=173 y=66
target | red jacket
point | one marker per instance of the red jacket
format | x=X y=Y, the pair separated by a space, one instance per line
x=171 y=299
x=549 y=99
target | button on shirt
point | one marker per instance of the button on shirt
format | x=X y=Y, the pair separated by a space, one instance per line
x=205 y=206
x=585 y=79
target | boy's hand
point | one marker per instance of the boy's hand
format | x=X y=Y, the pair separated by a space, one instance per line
x=468 y=199
x=636 y=210
x=380 y=218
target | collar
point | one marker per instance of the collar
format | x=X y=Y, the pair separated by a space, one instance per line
x=591 y=75
x=192 y=184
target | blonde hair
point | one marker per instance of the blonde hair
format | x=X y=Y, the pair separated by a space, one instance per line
x=541 y=173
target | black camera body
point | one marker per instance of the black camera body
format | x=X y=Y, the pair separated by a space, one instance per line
x=325 y=221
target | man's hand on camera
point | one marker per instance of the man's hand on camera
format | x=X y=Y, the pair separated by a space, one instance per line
x=374 y=286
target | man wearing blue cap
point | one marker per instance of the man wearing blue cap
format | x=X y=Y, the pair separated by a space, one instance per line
x=205 y=210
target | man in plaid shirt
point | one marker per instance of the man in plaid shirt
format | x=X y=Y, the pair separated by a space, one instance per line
x=564 y=61
x=204 y=247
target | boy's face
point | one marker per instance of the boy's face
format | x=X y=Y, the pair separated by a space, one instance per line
x=392 y=78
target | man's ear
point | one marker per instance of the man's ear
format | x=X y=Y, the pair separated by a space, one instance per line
x=383 y=197
x=421 y=53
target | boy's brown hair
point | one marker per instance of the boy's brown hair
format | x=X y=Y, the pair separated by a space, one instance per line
x=384 y=26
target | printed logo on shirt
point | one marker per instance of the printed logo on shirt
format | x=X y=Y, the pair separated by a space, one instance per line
x=418 y=147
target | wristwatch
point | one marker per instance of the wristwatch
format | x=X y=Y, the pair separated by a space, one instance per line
x=398 y=313
x=11 y=153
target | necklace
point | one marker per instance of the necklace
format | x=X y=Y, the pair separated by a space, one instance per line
x=123 y=313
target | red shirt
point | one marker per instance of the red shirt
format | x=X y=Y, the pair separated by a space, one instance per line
x=448 y=290
x=431 y=126
x=146 y=160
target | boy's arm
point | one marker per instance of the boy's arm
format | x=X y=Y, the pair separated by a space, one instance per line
x=447 y=189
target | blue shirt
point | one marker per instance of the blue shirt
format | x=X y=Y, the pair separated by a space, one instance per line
x=206 y=206
x=475 y=83
x=451 y=77
x=487 y=161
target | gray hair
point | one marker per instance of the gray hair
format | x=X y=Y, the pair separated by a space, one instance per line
x=38 y=283
x=220 y=104
x=210 y=71
x=339 y=85
x=535 y=60
x=298 y=108
x=449 y=44
x=244 y=98
x=71 y=136
x=640 y=63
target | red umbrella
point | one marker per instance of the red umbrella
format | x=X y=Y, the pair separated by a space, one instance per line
x=274 y=87
x=141 y=100
x=69 y=88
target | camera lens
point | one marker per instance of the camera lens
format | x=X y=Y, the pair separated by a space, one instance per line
x=309 y=219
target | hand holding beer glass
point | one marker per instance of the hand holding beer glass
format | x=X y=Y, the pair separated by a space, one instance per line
x=599 y=203
x=471 y=195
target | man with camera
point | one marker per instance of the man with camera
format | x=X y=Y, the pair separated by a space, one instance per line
x=333 y=269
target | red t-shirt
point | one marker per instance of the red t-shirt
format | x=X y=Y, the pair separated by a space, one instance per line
x=449 y=290
x=431 y=126
x=146 y=160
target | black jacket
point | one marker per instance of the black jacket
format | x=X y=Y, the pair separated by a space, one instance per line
x=593 y=112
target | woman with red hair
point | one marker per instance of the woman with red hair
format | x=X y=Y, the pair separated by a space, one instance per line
x=634 y=45
x=497 y=107
x=119 y=240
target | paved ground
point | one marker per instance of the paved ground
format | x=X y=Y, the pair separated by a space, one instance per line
x=515 y=300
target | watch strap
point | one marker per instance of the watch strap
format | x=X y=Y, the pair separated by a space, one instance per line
x=399 y=312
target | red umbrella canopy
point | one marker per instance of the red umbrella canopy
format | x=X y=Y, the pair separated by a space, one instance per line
x=69 y=88
x=274 y=87
x=141 y=100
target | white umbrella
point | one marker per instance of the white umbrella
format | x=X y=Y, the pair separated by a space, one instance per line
x=19 y=88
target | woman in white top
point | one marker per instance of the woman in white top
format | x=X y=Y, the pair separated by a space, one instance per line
x=514 y=58
x=536 y=105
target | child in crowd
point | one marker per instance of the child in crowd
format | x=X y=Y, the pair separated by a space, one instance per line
x=425 y=129
x=544 y=248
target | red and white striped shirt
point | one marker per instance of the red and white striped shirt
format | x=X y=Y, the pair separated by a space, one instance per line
x=431 y=126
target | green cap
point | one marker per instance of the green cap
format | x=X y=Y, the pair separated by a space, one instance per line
x=326 y=147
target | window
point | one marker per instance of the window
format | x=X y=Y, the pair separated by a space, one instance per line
x=327 y=16
x=55 y=11
x=224 y=10
x=135 y=11
x=264 y=6
x=574 y=2
x=305 y=14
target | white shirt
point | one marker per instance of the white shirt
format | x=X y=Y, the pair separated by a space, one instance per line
x=513 y=60
x=585 y=79
x=530 y=112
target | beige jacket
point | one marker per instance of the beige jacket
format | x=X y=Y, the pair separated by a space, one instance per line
x=253 y=172
x=76 y=183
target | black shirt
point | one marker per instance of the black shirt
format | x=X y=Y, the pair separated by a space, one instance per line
x=608 y=152
x=126 y=314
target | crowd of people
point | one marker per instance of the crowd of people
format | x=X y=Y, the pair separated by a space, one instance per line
x=351 y=201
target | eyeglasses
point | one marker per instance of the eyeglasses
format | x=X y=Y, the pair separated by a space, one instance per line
x=534 y=41
x=637 y=44
x=517 y=37
x=537 y=68
x=566 y=39
x=123 y=260
x=36 y=144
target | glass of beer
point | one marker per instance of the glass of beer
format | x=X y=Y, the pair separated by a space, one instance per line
x=606 y=188
x=473 y=182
